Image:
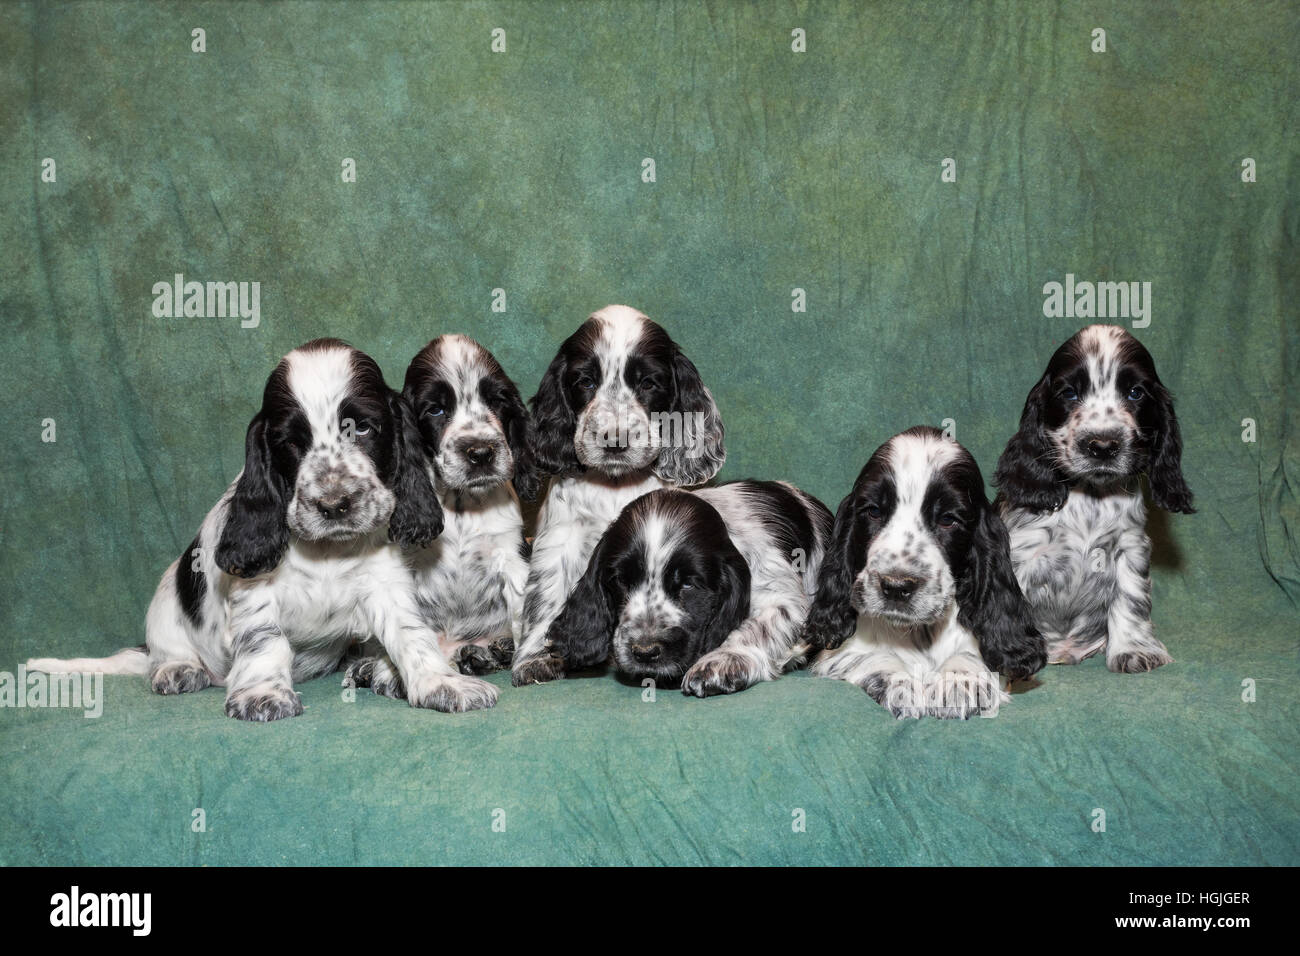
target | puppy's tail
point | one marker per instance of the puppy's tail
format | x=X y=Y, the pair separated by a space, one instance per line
x=130 y=660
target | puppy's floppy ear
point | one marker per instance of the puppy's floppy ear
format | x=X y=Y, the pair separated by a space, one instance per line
x=256 y=533
x=831 y=618
x=733 y=599
x=1165 y=470
x=583 y=633
x=694 y=453
x=417 y=514
x=1025 y=474
x=521 y=436
x=555 y=422
x=992 y=606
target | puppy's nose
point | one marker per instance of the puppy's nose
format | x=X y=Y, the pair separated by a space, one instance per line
x=647 y=653
x=898 y=588
x=479 y=453
x=1103 y=448
x=333 y=506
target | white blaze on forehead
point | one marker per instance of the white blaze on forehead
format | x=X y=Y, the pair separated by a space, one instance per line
x=621 y=328
x=914 y=460
x=320 y=380
x=660 y=536
x=1101 y=350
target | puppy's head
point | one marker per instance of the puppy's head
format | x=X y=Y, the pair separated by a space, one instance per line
x=1098 y=416
x=621 y=397
x=665 y=586
x=331 y=456
x=473 y=425
x=915 y=536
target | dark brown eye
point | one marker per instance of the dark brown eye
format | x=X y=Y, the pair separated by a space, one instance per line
x=947 y=520
x=1135 y=393
x=874 y=511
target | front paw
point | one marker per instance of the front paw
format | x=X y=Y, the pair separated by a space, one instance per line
x=473 y=659
x=451 y=693
x=502 y=651
x=719 y=672
x=539 y=670
x=960 y=694
x=378 y=674
x=263 y=702
x=179 y=677
x=1139 y=661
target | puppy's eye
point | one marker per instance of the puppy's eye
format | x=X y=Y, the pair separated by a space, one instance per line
x=874 y=511
x=1135 y=393
x=586 y=383
x=686 y=586
x=648 y=382
x=947 y=520
x=361 y=429
x=1069 y=394
x=436 y=411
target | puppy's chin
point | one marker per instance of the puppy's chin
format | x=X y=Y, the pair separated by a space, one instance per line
x=666 y=673
x=616 y=466
x=905 y=620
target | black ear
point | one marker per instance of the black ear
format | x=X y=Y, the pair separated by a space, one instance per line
x=417 y=515
x=733 y=599
x=1025 y=474
x=1165 y=471
x=831 y=618
x=583 y=633
x=521 y=436
x=992 y=606
x=555 y=422
x=256 y=533
x=696 y=452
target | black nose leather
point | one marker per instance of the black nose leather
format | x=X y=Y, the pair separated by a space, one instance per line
x=647 y=653
x=333 y=506
x=1103 y=449
x=479 y=454
x=897 y=588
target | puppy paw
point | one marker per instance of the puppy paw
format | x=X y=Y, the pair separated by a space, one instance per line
x=719 y=672
x=179 y=677
x=378 y=674
x=473 y=659
x=263 y=702
x=897 y=693
x=503 y=651
x=1139 y=661
x=962 y=694
x=1073 y=650
x=451 y=693
x=538 y=670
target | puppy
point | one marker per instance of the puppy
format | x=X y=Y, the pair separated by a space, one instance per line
x=302 y=553
x=1070 y=494
x=620 y=412
x=476 y=438
x=707 y=588
x=916 y=601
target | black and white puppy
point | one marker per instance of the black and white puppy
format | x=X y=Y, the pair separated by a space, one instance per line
x=302 y=554
x=1069 y=492
x=707 y=588
x=620 y=412
x=476 y=437
x=916 y=601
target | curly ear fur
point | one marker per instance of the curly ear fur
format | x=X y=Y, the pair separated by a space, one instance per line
x=583 y=634
x=555 y=422
x=699 y=453
x=733 y=601
x=256 y=533
x=1165 y=470
x=1025 y=475
x=992 y=607
x=831 y=618
x=521 y=436
x=417 y=515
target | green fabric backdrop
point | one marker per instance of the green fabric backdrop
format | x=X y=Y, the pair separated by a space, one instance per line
x=775 y=170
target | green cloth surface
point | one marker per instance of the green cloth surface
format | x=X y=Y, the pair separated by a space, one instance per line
x=774 y=171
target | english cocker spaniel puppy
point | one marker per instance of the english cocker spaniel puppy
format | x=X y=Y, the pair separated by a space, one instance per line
x=706 y=588
x=1070 y=494
x=621 y=411
x=916 y=601
x=303 y=552
x=476 y=438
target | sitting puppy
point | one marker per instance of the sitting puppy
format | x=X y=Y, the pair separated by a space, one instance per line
x=620 y=412
x=916 y=602
x=295 y=561
x=475 y=436
x=1070 y=495
x=707 y=588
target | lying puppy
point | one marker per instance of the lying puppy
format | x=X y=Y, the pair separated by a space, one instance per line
x=620 y=412
x=916 y=601
x=708 y=588
x=295 y=561
x=476 y=437
x=1070 y=494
